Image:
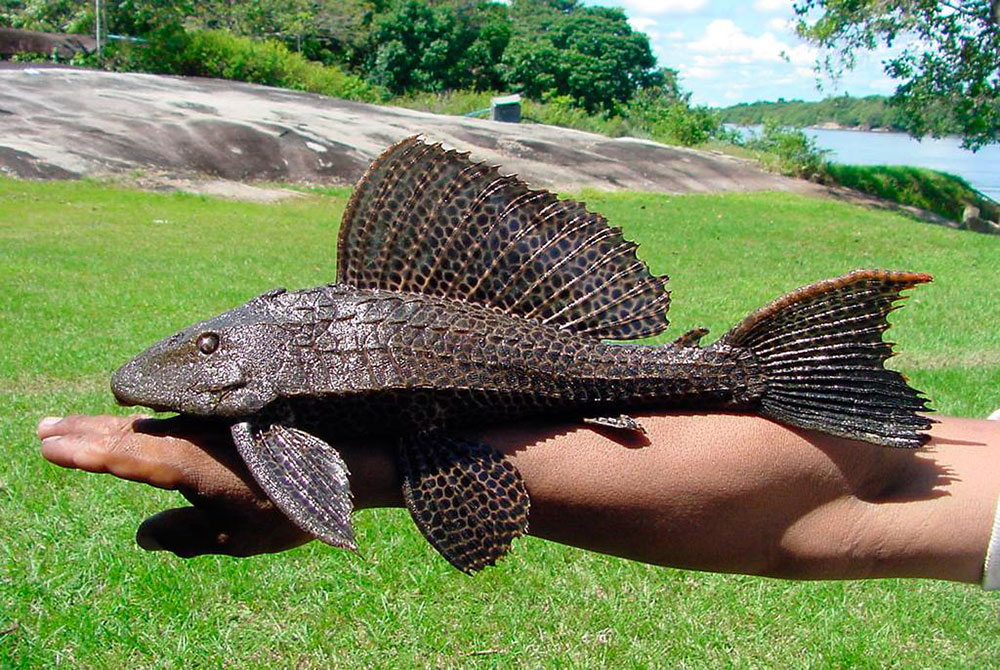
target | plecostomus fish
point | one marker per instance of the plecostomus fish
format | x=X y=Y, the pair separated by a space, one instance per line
x=465 y=297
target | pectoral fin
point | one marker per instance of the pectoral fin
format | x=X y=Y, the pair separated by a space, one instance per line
x=303 y=475
x=465 y=497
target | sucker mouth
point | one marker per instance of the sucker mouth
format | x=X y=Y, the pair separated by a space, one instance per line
x=153 y=408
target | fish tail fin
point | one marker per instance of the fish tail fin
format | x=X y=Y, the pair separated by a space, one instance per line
x=820 y=356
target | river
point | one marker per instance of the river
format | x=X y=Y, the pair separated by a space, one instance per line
x=981 y=169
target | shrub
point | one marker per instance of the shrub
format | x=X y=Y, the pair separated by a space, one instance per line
x=562 y=110
x=453 y=103
x=215 y=53
x=789 y=151
x=674 y=122
x=669 y=121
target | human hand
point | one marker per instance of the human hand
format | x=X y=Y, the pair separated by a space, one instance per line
x=230 y=514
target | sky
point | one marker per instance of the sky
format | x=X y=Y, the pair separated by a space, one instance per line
x=731 y=52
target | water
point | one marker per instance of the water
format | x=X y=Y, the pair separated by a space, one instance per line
x=980 y=169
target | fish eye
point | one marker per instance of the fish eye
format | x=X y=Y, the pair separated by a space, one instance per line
x=208 y=343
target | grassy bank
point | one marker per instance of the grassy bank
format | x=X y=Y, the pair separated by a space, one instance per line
x=938 y=192
x=90 y=274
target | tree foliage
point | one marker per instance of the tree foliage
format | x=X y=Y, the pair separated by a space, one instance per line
x=591 y=54
x=129 y=17
x=946 y=57
x=417 y=46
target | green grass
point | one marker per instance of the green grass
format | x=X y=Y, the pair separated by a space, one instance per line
x=938 y=192
x=91 y=274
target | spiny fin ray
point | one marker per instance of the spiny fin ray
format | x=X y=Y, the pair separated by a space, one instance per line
x=429 y=220
x=821 y=357
x=303 y=475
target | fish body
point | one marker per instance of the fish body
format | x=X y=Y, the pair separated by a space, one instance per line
x=465 y=298
x=345 y=358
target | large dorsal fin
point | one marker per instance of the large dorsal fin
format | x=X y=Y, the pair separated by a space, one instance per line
x=431 y=221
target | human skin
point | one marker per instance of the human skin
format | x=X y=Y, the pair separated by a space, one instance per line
x=718 y=492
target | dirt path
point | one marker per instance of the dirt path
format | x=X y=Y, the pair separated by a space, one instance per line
x=63 y=123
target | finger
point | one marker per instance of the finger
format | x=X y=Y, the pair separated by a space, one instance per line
x=52 y=426
x=47 y=426
x=184 y=531
x=96 y=452
x=210 y=434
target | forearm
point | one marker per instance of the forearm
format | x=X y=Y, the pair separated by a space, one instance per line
x=830 y=509
x=708 y=492
x=736 y=493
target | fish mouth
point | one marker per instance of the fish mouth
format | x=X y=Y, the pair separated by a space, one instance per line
x=123 y=402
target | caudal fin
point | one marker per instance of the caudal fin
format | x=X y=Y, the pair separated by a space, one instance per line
x=821 y=355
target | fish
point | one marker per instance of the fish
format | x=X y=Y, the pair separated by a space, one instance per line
x=464 y=297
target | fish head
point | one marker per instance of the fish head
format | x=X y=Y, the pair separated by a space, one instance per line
x=219 y=367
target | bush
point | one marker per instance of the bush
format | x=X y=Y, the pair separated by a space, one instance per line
x=666 y=120
x=789 y=151
x=214 y=53
x=562 y=110
x=673 y=121
x=34 y=57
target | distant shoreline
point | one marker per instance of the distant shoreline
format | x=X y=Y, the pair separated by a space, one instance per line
x=831 y=125
x=834 y=126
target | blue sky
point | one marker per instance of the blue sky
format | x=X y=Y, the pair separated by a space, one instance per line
x=730 y=52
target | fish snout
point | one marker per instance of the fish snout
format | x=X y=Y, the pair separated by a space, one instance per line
x=126 y=385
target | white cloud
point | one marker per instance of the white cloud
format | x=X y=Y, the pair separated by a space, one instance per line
x=772 y=5
x=698 y=72
x=781 y=25
x=675 y=35
x=642 y=23
x=657 y=7
x=883 y=85
x=725 y=42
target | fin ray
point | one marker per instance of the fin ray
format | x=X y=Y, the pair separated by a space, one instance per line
x=466 y=498
x=820 y=353
x=303 y=475
x=429 y=220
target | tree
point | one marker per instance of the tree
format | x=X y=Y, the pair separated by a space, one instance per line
x=128 y=17
x=416 y=45
x=588 y=53
x=948 y=66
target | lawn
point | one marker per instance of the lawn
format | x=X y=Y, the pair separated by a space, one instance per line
x=90 y=274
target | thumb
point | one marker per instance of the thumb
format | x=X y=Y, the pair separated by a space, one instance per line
x=185 y=531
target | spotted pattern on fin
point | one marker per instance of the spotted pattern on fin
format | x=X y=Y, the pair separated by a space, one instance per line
x=821 y=356
x=620 y=422
x=466 y=498
x=429 y=220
